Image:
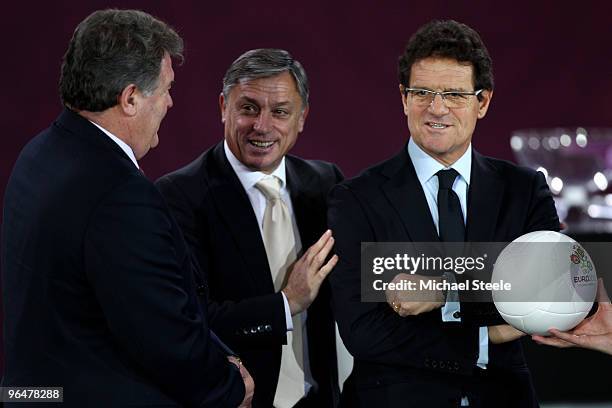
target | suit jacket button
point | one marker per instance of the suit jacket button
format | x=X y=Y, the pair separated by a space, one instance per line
x=268 y=328
x=457 y=314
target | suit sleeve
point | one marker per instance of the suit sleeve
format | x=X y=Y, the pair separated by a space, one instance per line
x=372 y=331
x=542 y=214
x=233 y=321
x=137 y=264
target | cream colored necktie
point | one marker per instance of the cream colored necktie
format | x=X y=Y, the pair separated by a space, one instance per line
x=281 y=249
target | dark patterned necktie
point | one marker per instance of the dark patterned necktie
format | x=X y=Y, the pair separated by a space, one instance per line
x=450 y=217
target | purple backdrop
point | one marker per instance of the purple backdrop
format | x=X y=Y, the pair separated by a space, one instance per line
x=551 y=62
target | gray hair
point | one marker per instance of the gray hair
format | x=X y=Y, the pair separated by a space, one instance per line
x=110 y=50
x=264 y=63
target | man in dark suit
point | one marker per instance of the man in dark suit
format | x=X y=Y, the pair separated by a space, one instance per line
x=266 y=310
x=419 y=352
x=100 y=292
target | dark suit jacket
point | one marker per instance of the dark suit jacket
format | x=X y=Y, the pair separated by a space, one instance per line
x=98 y=283
x=419 y=356
x=218 y=220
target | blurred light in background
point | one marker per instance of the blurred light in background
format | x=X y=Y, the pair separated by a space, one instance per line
x=577 y=165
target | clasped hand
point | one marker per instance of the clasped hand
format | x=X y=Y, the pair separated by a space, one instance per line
x=414 y=302
x=249 y=384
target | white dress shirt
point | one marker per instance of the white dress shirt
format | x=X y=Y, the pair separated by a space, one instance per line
x=127 y=149
x=248 y=178
x=426 y=168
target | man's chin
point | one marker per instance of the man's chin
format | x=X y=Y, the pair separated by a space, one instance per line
x=437 y=148
x=261 y=164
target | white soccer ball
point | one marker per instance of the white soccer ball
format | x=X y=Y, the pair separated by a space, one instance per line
x=553 y=282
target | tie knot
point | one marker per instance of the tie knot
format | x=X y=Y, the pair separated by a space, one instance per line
x=269 y=187
x=446 y=178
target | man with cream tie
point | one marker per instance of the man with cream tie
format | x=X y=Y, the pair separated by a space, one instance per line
x=435 y=351
x=255 y=217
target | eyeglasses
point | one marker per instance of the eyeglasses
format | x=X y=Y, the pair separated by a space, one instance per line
x=452 y=99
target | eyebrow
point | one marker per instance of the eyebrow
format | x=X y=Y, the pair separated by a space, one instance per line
x=247 y=99
x=256 y=102
x=444 y=90
x=283 y=103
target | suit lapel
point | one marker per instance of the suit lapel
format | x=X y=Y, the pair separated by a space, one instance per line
x=484 y=200
x=306 y=204
x=234 y=207
x=406 y=196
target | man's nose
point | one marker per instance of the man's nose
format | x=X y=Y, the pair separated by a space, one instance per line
x=263 y=122
x=438 y=105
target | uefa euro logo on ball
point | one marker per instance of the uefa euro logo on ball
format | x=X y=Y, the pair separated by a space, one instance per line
x=553 y=282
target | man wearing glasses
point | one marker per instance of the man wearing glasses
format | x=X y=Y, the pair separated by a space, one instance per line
x=435 y=353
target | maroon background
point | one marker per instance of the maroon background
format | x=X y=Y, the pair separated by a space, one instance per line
x=552 y=66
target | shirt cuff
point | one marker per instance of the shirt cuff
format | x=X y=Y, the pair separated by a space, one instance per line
x=483 y=349
x=451 y=311
x=288 y=319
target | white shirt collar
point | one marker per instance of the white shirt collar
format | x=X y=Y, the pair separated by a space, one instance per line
x=426 y=166
x=248 y=178
x=124 y=146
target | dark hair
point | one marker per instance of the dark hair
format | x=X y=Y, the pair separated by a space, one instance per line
x=110 y=50
x=264 y=63
x=448 y=39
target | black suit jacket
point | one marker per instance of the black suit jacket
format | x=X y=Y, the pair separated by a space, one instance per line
x=217 y=218
x=98 y=283
x=420 y=356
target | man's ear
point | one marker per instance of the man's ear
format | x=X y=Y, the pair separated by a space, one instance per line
x=403 y=95
x=483 y=105
x=303 y=116
x=222 y=106
x=128 y=100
